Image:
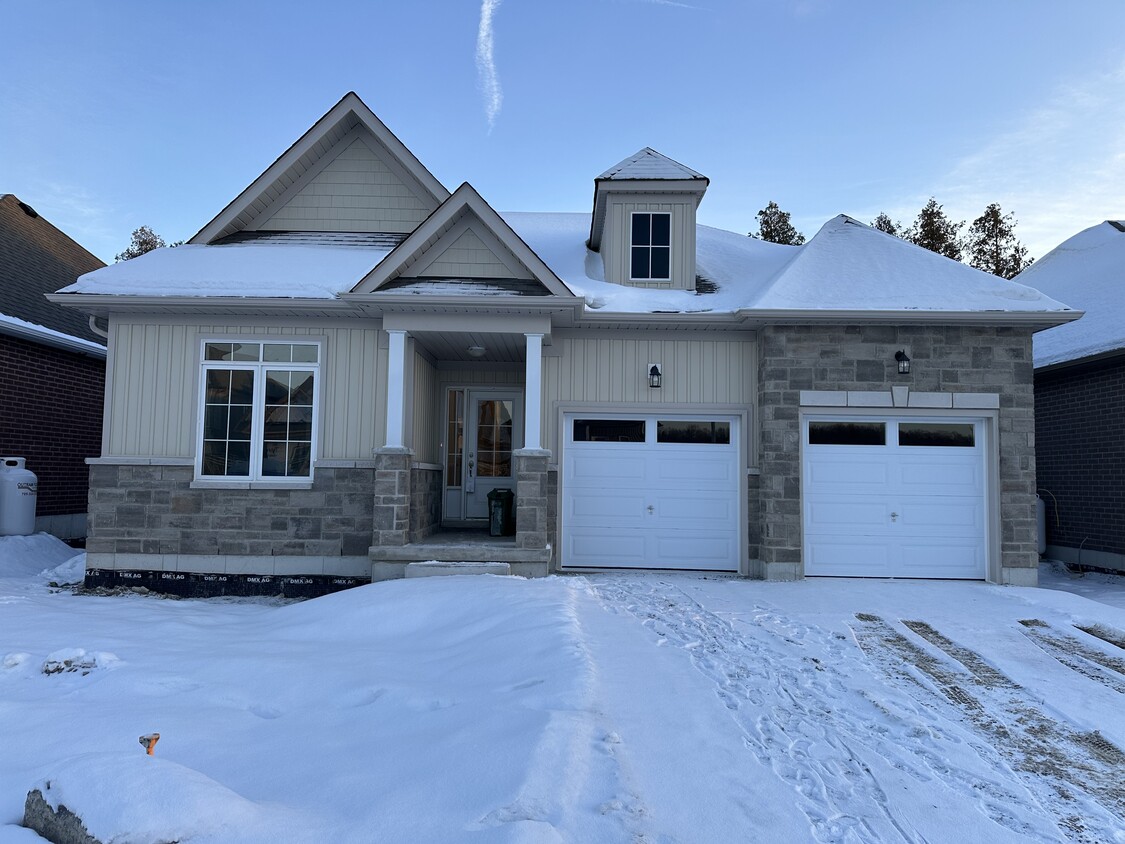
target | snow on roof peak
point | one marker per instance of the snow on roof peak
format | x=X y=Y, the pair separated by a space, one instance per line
x=1088 y=271
x=650 y=164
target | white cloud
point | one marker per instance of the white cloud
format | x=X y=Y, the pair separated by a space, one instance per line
x=1060 y=169
x=486 y=65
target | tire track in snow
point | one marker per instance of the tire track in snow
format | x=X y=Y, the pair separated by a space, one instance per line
x=1076 y=776
x=797 y=717
x=1076 y=655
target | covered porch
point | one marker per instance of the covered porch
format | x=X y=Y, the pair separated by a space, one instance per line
x=463 y=419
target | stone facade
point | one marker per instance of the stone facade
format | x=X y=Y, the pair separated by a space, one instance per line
x=945 y=359
x=150 y=517
x=532 y=509
x=425 y=502
x=391 y=507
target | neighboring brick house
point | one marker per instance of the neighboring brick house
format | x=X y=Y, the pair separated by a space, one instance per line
x=1080 y=399
x=328 y=381
x=53 y=365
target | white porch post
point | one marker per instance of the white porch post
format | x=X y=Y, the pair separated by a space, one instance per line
x=396 y=367
x=533 y=391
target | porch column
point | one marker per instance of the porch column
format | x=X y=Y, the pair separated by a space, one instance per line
x=396 y=381
x=533 y=392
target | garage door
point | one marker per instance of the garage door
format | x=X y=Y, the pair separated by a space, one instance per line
x=894 y=497
x=651 y=491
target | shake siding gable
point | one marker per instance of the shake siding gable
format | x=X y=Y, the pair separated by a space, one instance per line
x=357 y=190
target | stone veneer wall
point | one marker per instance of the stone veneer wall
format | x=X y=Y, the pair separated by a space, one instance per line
x=152 y=510
x=425 y=502
x=553 y=515
x=754 y=523
x=944 y=359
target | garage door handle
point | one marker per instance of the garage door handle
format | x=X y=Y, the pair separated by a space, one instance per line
x=650 y=509
x=894 y=516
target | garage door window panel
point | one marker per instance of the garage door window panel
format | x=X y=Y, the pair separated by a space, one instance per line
x=939 y=434
x=847 y=433
x=691 y=432
x=609 y=431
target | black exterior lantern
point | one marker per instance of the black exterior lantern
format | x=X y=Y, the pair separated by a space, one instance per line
x=654 y=376
x=903 y=362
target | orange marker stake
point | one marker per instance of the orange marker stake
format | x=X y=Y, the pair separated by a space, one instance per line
x=149 y=742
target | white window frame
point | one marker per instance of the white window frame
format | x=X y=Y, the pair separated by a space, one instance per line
x=649 y=246
x=257 y=435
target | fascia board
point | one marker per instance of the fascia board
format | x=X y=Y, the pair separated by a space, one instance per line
x=350 y=102
x=481 y=323
x=791 y=316
x=103 y=305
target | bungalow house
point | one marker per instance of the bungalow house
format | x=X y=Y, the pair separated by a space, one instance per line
x=325 y=384
x=1080 y=399
x=53 y=365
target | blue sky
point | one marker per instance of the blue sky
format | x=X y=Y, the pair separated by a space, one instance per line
x=118 y=113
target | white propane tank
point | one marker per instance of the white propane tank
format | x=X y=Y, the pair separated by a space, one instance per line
x=18 y=491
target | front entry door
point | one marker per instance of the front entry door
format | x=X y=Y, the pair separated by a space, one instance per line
x=493 y=429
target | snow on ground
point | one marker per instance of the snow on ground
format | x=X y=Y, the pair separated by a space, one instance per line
x=650 y=708
x=1097 y=586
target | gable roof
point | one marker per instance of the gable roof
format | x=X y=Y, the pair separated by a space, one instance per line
x=649 y=164
x=36 y=258
x=303 y=160
x=1088 y=271
x=464 y=201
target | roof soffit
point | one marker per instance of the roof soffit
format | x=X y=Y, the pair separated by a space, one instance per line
x=321 y=141
x=444 y=225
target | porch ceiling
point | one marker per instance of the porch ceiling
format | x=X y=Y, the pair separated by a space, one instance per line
x=453 y=346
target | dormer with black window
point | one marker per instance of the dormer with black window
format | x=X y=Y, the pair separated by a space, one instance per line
x=644 y=221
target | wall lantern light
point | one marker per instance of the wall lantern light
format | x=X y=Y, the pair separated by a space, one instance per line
x=654 y=375
x=903 y=362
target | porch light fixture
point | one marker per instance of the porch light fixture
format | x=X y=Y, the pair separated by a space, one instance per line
x=654 y=375
x=476 y=351
x=903 y=362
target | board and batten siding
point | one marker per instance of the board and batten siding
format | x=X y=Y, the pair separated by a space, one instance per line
x=604 y=371
x=616 y=240
x=152 y=407
x=427 y=412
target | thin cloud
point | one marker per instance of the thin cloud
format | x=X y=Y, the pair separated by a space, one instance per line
x=486 y=65
x=1059 y=170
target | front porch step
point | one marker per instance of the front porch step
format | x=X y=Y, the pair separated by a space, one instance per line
x=434 y=568
x=459 y=552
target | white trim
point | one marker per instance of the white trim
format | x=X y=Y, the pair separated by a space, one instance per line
x=533 y=392
x=650 y=246
x=396 y=381
x=255 y=480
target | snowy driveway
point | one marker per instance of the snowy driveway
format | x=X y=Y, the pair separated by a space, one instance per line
x=639 y=708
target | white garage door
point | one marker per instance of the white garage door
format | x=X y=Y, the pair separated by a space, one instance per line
x=651 y=491
x=894 y=497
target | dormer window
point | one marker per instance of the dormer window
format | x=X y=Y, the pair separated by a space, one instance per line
x=650 y=257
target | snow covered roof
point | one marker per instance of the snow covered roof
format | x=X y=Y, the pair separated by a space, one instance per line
x=846 y=267
x=250 y=269
x=16 y=327
x=1088 y=271
x=650 y=164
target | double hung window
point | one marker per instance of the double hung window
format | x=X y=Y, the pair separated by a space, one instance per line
x=650 y=247
x=260 y=404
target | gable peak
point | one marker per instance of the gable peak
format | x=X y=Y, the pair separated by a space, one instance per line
x=647 y=163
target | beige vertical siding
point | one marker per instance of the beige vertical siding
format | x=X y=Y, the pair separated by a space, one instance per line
x=427 y=412
x=472 y=253
x=154 y=387
x=616 y=239
x=356 y=191
x=614 y=370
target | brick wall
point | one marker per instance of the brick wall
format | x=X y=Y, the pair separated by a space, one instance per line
x=1080 y=455
x=51 y=413
x=945 y=359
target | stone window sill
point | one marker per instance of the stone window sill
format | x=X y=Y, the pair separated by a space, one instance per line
x=209 y=484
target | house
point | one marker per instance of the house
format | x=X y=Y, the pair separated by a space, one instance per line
x=1080 y=399
x=324 y=385
x=53 y=365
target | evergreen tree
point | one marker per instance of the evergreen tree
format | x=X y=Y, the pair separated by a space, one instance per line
x=992 y=244
x=884 y=223
x=144 y=240
x=774 y=226
x=934 y=231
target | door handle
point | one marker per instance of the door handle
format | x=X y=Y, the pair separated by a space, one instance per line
x=894 y=517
